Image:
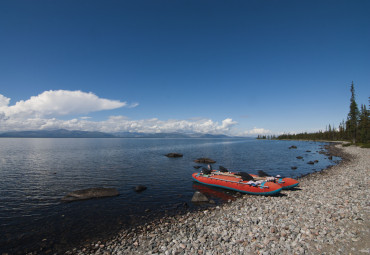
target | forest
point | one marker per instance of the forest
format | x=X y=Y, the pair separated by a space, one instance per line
x=356 y=128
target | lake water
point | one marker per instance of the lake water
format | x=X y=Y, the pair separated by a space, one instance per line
x=36 y=173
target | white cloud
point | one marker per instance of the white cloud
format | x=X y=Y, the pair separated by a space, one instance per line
x=257 y=131
x=42 y=111
x=118 y=124
x=154 y=125
x=228 y=123
x=133 y=105
x=4 y=101
x=58 y=102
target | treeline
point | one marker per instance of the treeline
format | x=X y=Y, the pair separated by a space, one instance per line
x=355 y=129
x=269 y=137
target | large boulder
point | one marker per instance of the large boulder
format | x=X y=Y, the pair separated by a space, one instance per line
x=174 y=155
x=84 y=194
x=205 y=161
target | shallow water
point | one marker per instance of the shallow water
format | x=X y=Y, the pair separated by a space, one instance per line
x=36 y=173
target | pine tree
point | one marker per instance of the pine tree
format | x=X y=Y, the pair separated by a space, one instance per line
x=352 y=120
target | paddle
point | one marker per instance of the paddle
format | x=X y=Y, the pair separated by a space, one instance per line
x=262 y=173
x=245 y=176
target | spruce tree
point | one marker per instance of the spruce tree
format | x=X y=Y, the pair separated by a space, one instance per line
x=352 y=120
x=364 y=125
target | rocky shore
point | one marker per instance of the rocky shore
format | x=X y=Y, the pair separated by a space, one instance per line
x=327 y=214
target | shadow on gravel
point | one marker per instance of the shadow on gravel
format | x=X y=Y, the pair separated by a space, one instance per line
x=295 y=189
x=279 y=195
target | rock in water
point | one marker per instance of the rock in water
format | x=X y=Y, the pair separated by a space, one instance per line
x=140 y=188
x=174 y=155
x=205 y=161
x=84 y=194
x=199 y=197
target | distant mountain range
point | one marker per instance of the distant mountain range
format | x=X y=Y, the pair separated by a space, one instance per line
x=63 y=133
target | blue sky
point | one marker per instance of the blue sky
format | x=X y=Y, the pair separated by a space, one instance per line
x=233 y=67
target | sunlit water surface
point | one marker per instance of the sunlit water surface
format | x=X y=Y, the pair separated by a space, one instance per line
x=36 y=173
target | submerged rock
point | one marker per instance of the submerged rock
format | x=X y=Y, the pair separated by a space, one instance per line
x=205 y=161
x=293 y=147
x=174 y=155
x=199 y=197
x=140 y=188
x=90 y=193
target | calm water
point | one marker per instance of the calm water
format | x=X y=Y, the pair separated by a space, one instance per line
x=36 y=173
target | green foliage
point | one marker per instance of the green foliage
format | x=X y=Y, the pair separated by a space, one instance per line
x=269 y=137
x=366 y=145
x=356 y=129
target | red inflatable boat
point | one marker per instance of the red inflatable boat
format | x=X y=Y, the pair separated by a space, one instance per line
x=285 y=183
x=233 y=182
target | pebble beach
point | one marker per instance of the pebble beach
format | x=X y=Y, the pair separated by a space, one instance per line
x=327 y=214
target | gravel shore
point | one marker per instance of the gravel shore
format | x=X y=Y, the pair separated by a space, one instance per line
x=327 y=214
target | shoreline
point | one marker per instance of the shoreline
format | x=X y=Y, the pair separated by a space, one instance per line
x=326 y=214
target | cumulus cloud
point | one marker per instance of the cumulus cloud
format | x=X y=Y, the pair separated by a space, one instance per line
x=154 y=125
x=57 y=103
x=228 y=123
x=257 y=131
x=120 y=124
x=42 y=112
x=4 y=101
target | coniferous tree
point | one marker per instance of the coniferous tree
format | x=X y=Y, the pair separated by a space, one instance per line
x=352 y=120
x=364 y=125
